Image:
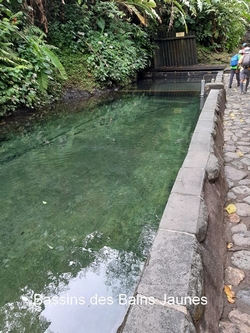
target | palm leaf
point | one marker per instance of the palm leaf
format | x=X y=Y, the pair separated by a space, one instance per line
x=54 y=60
x=141 y=6
x=181 y=12
x=132 y=9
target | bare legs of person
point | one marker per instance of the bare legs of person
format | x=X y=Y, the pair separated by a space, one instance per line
x=244 y=77
x=242 y=90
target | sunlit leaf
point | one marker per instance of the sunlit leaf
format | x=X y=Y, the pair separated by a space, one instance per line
x=239 y=153
x=229 y=293
x=231 y=208
x=231 y=300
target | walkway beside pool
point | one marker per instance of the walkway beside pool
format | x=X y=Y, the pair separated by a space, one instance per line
x=236 y=314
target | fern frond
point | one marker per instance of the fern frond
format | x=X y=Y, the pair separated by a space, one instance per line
x=43 y=80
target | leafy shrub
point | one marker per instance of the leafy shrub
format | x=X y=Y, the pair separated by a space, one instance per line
x=63 y=32
x=115 y=59
x=116 y=49
x=27 y=65
x=220 y=24
x=17 y=86
x=119 y=49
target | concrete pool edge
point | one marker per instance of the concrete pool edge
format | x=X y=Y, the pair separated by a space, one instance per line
x=180 y=289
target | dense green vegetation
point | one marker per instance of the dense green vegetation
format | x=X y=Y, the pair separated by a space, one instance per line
x=48 y=46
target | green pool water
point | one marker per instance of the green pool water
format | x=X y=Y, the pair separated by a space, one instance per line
x=81 y=197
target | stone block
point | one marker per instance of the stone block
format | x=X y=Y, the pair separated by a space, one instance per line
x=174 y=270
x=234 y=174
x=186 y=213
x=242 y=240
x=227 y=327
x=213 y=168
x=241 y=259
x=242 y=189
x=213 y=85
x=243 y=209
x=234 y=276
x=189 y=181
x=240 y=319
x=201 y=141
x=156 y=318
x=242 y=228
x=197 y=159
x=244 y=296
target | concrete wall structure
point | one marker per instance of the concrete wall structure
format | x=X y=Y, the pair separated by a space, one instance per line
x=180 y=289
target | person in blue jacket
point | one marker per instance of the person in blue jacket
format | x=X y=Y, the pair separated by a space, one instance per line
x=235 y=70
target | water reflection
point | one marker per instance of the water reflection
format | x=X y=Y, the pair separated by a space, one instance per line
x=93 y=294
x=73 y=304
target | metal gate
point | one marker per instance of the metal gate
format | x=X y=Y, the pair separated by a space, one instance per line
x=175 y=49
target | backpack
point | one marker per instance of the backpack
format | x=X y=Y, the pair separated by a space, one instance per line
x=246 y=60
x=234 y=60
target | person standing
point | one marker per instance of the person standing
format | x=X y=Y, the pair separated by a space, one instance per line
x=244 y=70
x=235 y=69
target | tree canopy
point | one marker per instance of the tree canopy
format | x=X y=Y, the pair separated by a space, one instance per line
x=114 y=37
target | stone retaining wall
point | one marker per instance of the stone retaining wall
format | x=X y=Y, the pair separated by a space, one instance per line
x=186 y=258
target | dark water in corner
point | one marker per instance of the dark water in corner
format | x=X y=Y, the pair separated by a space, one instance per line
x=81 y=196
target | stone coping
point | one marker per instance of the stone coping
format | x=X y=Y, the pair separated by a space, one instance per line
x=171 y=294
